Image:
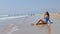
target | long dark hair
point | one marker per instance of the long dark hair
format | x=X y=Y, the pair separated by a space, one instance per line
x=47 y=13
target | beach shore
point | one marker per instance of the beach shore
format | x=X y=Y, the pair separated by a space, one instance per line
x=23 y=25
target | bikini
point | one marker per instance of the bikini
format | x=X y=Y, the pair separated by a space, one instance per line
x=46 y=19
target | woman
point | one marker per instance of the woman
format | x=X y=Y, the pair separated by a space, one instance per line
x=46 y=19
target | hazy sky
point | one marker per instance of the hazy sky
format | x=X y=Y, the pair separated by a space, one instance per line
x=28 y=6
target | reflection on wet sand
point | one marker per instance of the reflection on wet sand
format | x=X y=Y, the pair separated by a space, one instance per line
x=10 y=29
x=49 y=30
x=45 y=27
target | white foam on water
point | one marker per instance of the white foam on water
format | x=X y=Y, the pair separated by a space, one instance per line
x=4 y=18
x=3 y=15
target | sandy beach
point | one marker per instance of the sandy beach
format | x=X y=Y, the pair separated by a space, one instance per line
x=24 y=25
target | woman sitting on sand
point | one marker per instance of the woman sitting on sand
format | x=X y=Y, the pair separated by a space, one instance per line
x=46 y=19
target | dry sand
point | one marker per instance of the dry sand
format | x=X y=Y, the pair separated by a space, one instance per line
x=52 y=15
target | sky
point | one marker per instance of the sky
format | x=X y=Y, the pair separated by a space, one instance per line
x=28 y=6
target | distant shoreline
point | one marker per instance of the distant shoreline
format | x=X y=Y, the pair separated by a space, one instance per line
x=52 y=15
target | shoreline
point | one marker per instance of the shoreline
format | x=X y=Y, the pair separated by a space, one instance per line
x=52 y=15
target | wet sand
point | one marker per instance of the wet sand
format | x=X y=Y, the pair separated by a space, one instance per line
x=24 y=25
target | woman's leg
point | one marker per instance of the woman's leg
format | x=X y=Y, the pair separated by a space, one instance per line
x=40 y=22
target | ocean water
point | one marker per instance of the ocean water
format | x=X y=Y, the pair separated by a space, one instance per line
x=4 y=19
x=23 y=25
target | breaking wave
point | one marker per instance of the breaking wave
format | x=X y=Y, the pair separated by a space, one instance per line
x=4 y=17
